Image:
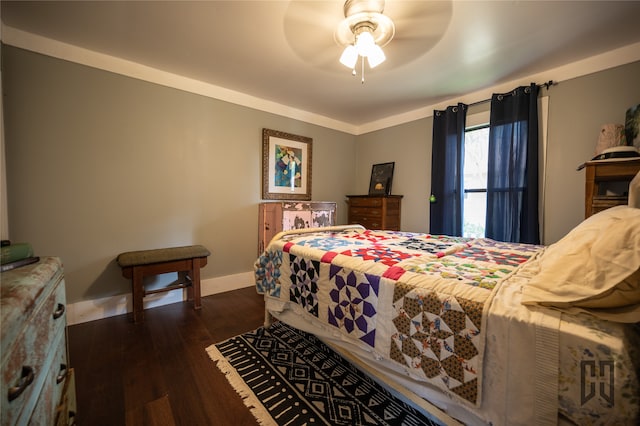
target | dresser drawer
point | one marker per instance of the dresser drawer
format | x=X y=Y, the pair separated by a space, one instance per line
x=367 y=217
x=26 y=359
x=367 y=222
x=23 y=290
x=375 y=212
x=365 y=212
x=52 y=389
x=365 y=202
x=66 y=410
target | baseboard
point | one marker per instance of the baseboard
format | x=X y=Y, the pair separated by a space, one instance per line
x=90 y=310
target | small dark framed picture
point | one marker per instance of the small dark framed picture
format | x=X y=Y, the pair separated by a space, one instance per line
x=381 y=179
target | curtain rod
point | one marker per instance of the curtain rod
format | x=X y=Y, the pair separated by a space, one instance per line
x=545 y=85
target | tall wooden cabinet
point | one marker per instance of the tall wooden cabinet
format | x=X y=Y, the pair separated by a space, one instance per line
x=37 y=381
x=375 y=211
x=276 y=216
x=607 y=184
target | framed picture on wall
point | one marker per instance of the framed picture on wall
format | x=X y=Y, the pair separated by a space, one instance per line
x=286 y=166
x=381 y=179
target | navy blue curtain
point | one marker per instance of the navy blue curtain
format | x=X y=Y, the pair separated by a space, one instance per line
x=512 y=182
x=447 y=168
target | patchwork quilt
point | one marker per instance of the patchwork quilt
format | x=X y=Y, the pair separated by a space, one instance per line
x=418 y=300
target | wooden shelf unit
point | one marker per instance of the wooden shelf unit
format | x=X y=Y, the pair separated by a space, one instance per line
x=599 y=175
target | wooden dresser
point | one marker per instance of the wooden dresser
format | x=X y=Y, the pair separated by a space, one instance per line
x=37 y=383
x=375 y=211
x=607 y=184
x=276 y=216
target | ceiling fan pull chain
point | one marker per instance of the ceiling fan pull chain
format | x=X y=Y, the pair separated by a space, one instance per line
x=362 y=61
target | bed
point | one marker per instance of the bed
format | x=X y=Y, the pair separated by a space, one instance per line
x=488 y=332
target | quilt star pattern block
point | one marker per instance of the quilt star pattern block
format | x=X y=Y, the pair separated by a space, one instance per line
x=439 y=337
x=353 y=301
x=304 y=283
x=267 y=273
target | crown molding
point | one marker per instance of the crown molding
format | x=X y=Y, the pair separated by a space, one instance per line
x=90 y=58
x=601 y=62
x=72 y=53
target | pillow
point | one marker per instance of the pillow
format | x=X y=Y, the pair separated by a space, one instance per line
x=595 y=267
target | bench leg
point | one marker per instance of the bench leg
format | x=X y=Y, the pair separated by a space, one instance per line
x=138 y=294
x=187 y=266
x=195 y=283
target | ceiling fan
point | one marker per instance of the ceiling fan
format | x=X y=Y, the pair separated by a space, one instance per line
x=319 y=32
x=364 y=31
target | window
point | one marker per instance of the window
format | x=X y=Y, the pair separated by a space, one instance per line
x=476 y=149
x=476 y=161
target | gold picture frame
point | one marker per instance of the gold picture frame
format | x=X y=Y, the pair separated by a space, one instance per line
x=286 y=166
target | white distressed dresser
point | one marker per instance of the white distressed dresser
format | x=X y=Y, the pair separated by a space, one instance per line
x=276 y=216
x=37 y=382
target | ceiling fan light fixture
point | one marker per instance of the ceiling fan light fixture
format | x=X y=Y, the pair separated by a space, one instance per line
x=364 y=43
x=376 y=56
x=371 y=30
x=349 y=56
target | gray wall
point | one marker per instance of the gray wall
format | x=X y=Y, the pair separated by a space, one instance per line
x=577 y=110
x=99 y=163
x=409 y=146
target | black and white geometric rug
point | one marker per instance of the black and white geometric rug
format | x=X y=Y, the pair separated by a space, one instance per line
x=288 y=377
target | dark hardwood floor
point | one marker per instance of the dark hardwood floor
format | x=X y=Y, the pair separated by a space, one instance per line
x=158 y=372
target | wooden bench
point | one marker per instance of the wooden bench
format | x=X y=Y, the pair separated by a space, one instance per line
x=139 y=264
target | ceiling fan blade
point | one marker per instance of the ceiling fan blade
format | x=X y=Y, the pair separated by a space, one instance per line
x=420 y=19
x=309 y=28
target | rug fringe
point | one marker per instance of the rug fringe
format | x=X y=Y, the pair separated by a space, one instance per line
x=259 y=412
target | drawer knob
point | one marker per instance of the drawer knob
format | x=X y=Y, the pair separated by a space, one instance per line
x=26 y=378
x=58 y=312
x=62 y=375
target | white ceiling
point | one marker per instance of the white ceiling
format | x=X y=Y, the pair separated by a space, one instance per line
x=284 y=52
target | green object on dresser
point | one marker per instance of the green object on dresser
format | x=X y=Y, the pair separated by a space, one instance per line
x=13 y=252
